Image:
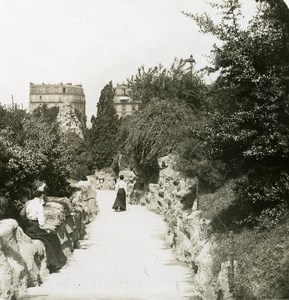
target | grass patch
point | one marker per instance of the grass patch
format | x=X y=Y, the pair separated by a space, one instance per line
x=262 y=255
x=263 y=263
x=214 y=204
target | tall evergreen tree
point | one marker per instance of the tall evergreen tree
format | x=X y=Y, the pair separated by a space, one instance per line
x=104 y=131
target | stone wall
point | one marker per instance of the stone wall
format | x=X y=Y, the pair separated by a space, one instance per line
x=189 y=234
x=22 y=260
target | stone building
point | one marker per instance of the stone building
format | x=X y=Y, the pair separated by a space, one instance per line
x=57 y=95
x=123 y=103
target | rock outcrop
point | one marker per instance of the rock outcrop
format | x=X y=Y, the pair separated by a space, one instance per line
x=189 y=234
x=22 y=260
x=68 y=120
x=105 y=180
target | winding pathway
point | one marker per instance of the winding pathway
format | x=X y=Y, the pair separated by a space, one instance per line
x=122 y=257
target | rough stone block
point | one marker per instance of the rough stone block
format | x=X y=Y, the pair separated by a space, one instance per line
x=21 y=260
x=54 y=214
x=64 y=201
x=188 y=233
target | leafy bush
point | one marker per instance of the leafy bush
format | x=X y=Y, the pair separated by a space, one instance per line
x=19 y=168
x=33 y=148
x=155 y=131
x=266 y=193
x=178 y=82
x=78 y=158
x=193 y=162
x=46 y=114
x=249 y=131
x=21 y=162
x=11 y=118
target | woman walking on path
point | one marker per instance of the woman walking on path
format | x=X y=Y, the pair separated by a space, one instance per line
x=120 y=201
x=36 y=228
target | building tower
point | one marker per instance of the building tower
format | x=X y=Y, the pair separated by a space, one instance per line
x=123 y=103
x=57 y=95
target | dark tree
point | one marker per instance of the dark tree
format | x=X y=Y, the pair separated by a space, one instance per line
x=104 y=131
x=250 y=128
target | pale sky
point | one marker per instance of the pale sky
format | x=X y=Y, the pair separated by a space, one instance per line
x=91 y=42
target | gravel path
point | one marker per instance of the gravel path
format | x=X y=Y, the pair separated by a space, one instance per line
x=122 y=257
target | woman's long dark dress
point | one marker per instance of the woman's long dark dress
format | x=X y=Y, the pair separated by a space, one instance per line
x=54 y=254
x=120 y=200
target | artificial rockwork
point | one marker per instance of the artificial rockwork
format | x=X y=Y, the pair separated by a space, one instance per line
x=189 y=234
x=68 y=120
x=105 y=180
x=22 y=260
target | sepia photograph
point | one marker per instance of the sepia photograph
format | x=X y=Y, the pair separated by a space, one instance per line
x=144 y=150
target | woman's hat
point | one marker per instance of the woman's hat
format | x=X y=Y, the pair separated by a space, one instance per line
x=42 y=187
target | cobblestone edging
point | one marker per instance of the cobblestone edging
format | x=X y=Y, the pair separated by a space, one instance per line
x=22 y=260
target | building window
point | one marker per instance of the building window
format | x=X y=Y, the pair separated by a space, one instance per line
x=119 y=92
x=127 y=92
x=40 y=97
x=123 y=107
x=124 y=99
x=64 y=90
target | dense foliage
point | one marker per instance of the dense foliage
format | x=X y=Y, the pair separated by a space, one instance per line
x=249 y=133
x=171 y=102
x=180 y=81
x=249 y=130
x=33 y=148
x=104 y=132
x=155 y=132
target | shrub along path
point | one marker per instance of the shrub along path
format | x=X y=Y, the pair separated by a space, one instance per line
x=122 y=257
